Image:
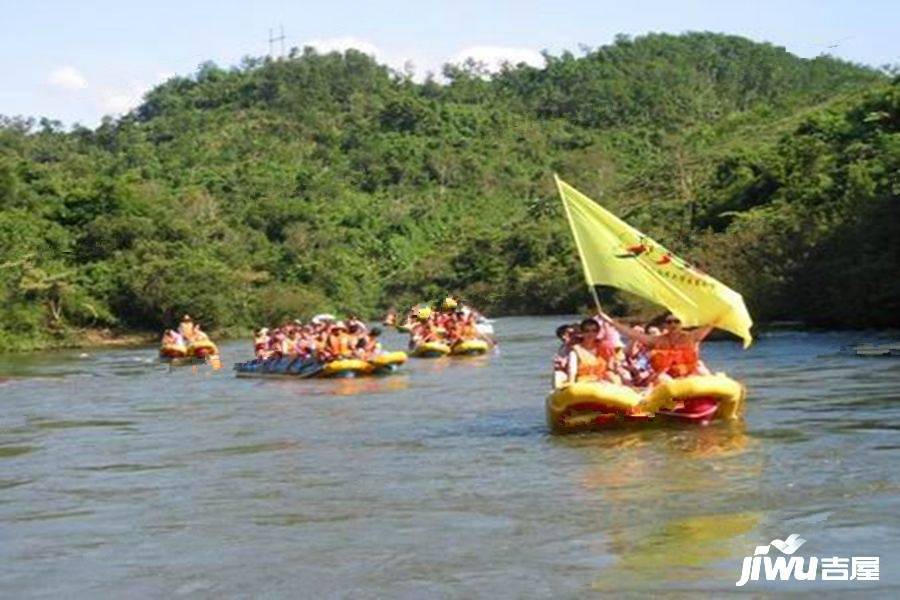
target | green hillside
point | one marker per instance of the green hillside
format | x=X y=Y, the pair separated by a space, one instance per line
x=329 y=182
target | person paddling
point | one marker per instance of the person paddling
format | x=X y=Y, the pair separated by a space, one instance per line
x=674 y=352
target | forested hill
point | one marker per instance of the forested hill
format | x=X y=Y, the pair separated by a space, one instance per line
x=329 y=182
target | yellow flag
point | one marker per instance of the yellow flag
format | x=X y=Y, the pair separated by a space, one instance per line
x=615 y=254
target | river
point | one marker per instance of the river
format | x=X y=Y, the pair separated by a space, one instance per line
x=121 y=476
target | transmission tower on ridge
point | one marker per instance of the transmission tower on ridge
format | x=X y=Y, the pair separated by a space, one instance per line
x=273 y=39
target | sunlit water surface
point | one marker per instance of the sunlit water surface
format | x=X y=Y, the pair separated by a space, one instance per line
x=120 y=476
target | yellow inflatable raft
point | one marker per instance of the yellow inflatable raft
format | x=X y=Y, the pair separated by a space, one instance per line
x=581 y=404
x=389 y=361
x=599 y=405
x=347 y=367
x=728 y=393
x=431 y=350
x=170 y=351
x=470 y=348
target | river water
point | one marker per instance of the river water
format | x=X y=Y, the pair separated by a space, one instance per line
x=120 y=476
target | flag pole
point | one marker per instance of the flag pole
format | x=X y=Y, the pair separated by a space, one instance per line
x=587 y=276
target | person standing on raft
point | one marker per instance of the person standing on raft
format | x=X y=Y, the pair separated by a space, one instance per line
x=674 y=352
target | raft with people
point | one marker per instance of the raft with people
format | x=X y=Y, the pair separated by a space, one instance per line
x=592 y=405
x=323 y=348
x=601 y=382
x=452 y=329
x=382 y=364
x=188 y=344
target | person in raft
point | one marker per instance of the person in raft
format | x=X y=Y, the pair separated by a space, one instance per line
x=674 y=352
x=368 y=346
x=568 y=337
x=590 y=359
x=199 y=334
x=339 y=343
x=172 y=338
x=186 y=328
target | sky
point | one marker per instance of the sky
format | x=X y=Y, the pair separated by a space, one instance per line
x=77 y=61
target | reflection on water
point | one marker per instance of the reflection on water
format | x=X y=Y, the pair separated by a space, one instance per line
x=684 y=549
x=122 y=476
x=650 y=489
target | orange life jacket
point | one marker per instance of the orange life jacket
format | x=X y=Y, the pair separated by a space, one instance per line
x=591 y=367
x=339 y=345
x=676 y=362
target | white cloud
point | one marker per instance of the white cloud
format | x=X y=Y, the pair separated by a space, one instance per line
x=120 y=100
x=342 y=44
x=494 y=57
x=67 y=78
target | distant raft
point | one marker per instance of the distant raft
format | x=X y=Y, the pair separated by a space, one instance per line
x=470 y=348
x=586 y=406
x=869 y=350
x=195 y=353
x=382 y=364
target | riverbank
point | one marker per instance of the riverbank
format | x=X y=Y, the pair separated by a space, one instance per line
x=102 y=338
x=116 y=338
x=79 y=338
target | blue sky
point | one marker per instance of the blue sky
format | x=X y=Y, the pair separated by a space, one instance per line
x=76 y=61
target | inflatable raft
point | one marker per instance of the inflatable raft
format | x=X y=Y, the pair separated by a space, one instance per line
x=470 y=348
x=586 y=406
x=343 y=368
x=178 y=355
x=872 y=350
x=346 y=367
x=387 y=362
x=202 y=349
x=431 y=350
x=172 y=351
